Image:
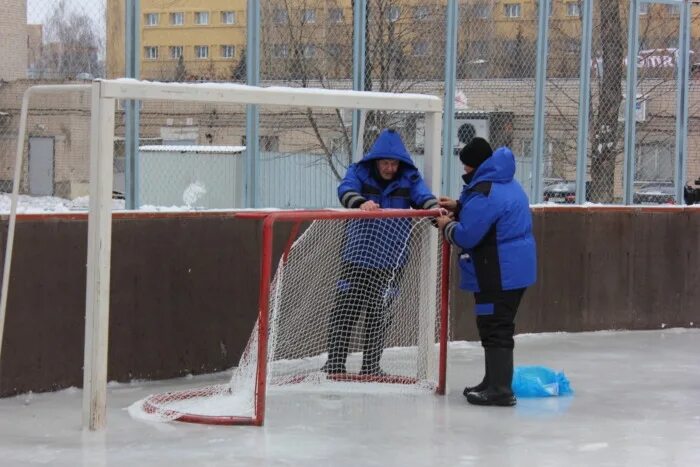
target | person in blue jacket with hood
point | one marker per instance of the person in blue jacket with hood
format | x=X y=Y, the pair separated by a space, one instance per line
x=492 y=225
x=373 y=253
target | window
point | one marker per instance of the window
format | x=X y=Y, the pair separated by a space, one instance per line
x=643 y=8
x=280 y=16
x=176 y=51
x=572 y=9
x=511 y=10
x=654 y=161
x=280 y=51
x=421 y=13
x=201 y=51
x=393 y=14
x=228 y=17
x=420 y=48
x=335 y=15
x=673 y=10
x=482 y=11
x=270 y=143
x=201 y=17
x=308 y=15
x=309 y=51
x=334 y=50
x=177 y=19
x=150 y=53
x=228 y=51
x=151 y=19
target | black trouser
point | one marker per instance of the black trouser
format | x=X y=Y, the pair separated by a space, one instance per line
x=361 y=290
x=495 y=317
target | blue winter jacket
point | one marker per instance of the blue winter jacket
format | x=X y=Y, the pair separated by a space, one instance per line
x=382 y=243
x=494 y=229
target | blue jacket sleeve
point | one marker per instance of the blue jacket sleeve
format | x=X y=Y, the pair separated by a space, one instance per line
x=349 y=190
x=477 y=216
x=421 y=196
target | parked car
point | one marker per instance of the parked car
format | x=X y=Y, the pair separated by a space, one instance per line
x=560 y=192
x=655 y=193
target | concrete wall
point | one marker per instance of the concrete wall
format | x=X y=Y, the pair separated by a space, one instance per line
x=13 y=46
x=184 y=287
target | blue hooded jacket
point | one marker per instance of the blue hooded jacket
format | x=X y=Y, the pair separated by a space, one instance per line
x=381 y=243
x=494 y=229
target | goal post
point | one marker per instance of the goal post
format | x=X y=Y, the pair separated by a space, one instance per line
x=105 y=94
x=291 y=346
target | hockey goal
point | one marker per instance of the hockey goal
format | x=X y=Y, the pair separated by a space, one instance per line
x=404 y=280
x=357 y=303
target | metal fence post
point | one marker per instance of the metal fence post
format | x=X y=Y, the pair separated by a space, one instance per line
x=683 y=80
x=359 y=40
x=132 y=116
x=252 y=154
x=540 y=90
x=631 y=96
x=584 y=102
x=450 y=84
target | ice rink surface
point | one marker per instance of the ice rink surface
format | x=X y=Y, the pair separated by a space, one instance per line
x=636 y=403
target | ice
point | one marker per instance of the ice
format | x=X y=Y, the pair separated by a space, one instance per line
x=636 y=403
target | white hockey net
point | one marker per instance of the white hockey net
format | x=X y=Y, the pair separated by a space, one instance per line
x=354 y=305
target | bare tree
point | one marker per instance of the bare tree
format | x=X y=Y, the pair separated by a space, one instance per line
x=73 y=44
x=606 y=142
x=308 y=43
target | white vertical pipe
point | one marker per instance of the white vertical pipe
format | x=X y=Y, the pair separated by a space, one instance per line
x=98 y=262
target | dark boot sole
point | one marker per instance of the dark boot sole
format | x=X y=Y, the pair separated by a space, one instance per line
x=500 y=402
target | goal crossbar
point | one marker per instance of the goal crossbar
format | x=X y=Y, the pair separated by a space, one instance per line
x=103 y=106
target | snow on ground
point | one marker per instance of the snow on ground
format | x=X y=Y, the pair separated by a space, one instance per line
x=42 y=204
x=636 y=403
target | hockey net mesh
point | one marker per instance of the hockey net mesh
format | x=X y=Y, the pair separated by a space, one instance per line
x=353 y=307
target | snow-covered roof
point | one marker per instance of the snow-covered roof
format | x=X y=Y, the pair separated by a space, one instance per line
x=192 y=148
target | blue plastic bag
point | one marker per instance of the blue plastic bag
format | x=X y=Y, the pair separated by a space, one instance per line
x=540 y=381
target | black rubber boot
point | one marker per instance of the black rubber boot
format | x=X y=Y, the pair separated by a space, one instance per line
x=373 y=347
x=499 y=391
x=337 y=350
x=484 y=382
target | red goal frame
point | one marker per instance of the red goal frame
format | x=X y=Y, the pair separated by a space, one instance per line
x=269 y=219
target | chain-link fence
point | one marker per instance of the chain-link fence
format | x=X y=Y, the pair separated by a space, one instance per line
x=495 y=92
x=309 y=43
x=692 y=176
x=49 y=42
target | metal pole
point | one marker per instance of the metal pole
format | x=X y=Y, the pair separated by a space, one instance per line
x=132 y=116
x=252 y=154
x=631 y=96
x=584 y=98
x=449 y=104
x=540 y=90
x=683 y=79
x=359 y=41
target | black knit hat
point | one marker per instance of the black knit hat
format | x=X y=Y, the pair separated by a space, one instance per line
x=475 y=152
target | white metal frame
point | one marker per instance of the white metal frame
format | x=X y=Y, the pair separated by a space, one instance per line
x=105 y=93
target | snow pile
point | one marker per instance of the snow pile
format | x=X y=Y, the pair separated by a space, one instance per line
x=42 y=204
x=194 y=193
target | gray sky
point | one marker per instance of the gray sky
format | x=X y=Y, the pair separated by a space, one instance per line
x=39 y=10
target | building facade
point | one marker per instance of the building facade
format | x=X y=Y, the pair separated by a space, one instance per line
x=13 y=47
x=206 y=39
